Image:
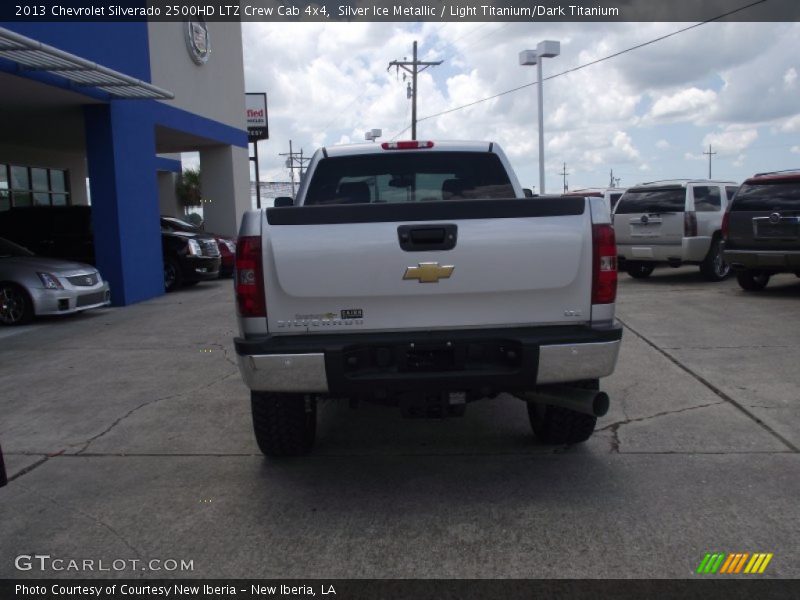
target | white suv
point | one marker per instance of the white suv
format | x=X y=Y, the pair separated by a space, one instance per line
x=609 y=195
x=675 y=222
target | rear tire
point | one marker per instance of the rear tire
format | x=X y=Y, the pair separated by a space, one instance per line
x=557 y=425
x=284 y=424
x=16 y=307
x=751 y=280
x=639 y=270
x=714 y=267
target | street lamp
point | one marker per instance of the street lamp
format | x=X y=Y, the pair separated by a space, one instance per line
x=546 y=49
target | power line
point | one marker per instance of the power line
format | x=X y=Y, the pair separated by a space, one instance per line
x=594 y=62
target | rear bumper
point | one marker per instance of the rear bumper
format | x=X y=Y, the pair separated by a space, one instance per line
x=690 y=250
x=481 y=361
x=767 y=260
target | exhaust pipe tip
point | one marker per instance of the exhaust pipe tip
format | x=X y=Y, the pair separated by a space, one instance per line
x=600 y=404
x=581 y=400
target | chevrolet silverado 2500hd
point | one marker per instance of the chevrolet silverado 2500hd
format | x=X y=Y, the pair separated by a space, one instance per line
x=415 y=274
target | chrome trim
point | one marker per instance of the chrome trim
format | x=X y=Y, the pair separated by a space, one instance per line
x=284 y=372
x=572 y=362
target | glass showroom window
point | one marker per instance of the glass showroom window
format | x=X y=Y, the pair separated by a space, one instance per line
x=32 y=186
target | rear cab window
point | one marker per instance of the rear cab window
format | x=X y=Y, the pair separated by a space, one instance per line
x=652 y=200
x=408 y=177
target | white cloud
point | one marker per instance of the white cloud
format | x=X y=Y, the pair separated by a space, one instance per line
x=790 y=78
x=795 y=149
x=732 y=140
x=791 y=125
x=685 y=105
x=662 y=144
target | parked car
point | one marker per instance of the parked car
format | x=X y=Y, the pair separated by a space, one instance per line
x=226 y=245
x=675 y=222
x=761 y=230
x=66 y=232
x=609 y=195
x=32 y=285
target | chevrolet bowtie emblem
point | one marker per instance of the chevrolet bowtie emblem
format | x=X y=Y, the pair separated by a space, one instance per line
x=429 y=272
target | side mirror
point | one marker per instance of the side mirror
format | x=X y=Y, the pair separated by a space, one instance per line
x=282 y=201
x=528 y=192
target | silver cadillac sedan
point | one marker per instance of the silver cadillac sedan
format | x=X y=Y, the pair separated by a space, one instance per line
x=33 y=285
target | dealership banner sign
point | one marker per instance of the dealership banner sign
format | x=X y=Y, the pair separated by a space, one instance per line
x=256 y=112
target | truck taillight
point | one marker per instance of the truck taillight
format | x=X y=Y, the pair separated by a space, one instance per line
x=604 y=264
x=406 y=145
x=689 y=224
x=250 y=300
x=725 y=224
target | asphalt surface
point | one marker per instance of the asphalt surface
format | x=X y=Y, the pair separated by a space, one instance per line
x=127 y=435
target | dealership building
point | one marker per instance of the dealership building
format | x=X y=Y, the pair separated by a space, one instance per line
x=115 y=104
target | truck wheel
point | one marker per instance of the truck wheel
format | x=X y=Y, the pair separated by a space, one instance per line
x=639 y=270
x=751 y=280
x=284 y=424
x=714 y=267
x=557 y=425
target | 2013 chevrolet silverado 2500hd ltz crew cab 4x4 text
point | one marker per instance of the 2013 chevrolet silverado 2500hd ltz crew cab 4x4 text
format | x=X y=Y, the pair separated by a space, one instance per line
x=415 y=274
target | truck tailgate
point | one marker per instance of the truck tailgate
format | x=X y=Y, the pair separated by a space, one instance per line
x=331 y=269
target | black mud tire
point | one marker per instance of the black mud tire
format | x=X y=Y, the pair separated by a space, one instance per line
x=284 y=424
x=557 y=425
x=639 y=270
x=714 y=267
x=751 y=280
x=173 y=279
x=16 y=307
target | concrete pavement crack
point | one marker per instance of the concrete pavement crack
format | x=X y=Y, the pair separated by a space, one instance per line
x=89 y=516
x=716 y=390
x=614 y=427
x=94 y=438
x=225 y=354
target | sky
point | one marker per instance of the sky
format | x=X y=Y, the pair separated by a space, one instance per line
x=648 y=114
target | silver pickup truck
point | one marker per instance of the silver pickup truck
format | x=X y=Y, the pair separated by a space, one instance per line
x=416 y=275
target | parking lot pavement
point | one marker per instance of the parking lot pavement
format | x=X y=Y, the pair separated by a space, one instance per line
x=127 y=435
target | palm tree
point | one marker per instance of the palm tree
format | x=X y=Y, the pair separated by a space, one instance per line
x=187 y=188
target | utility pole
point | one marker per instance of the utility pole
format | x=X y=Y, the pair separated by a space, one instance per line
x=295 y=160
x=564 y=175
x=709 y=153
x=613 y=181
x=413 y=67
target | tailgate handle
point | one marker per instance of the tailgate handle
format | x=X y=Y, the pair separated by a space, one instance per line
x=419 y=238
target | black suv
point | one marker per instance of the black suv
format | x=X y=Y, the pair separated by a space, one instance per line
x=762 y=228
x=66 y=232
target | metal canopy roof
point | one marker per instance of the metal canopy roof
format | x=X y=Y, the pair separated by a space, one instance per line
x=32 y=55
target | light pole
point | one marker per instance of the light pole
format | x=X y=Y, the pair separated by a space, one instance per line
x=546 y=49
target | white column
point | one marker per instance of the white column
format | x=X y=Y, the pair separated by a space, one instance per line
x=225 y=181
